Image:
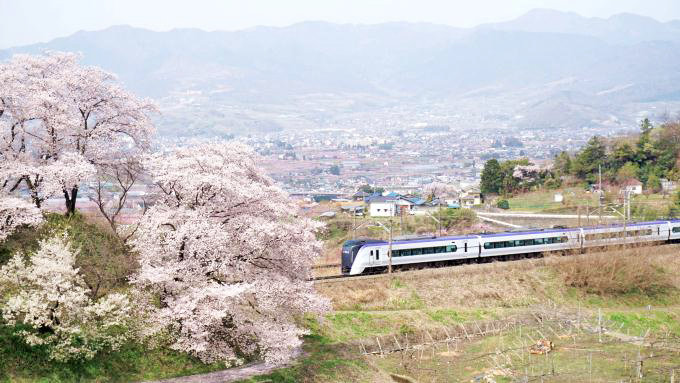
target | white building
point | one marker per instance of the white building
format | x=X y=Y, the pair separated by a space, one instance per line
x=383 y=207
x=633 y=186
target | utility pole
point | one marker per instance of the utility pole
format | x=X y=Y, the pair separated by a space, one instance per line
x=625 y=216
x=354 y=222
x=389 y=251
x=401 y=221
x=600 y=195
x=599 y=170
x=440 y=216
x=578 y=209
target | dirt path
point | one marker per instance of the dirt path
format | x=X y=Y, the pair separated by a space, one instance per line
x=229 y=375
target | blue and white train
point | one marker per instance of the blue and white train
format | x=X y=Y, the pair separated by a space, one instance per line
x=367 y=255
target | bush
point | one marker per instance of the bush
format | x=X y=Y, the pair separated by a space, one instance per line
x=456 y=217
x=104 y=261
x=616 y=274
x=503 y=204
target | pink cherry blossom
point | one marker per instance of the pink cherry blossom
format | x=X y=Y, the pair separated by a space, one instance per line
x=51 y=105
x=226 y=255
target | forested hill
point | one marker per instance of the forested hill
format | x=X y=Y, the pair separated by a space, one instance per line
x=647 y=158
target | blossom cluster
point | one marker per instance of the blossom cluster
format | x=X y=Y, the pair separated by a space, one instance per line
x=15 y=212
x=47 y=295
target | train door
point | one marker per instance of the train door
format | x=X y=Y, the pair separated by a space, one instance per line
x=371 y=257
x=465 y=246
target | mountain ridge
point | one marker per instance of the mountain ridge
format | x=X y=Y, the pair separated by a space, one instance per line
x=381 y=65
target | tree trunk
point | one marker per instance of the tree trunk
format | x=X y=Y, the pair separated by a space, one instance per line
x=71 y=201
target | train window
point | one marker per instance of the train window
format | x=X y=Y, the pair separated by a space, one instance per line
x=676 y=229
x=377 y=254
x=371 y=253
x=637 y=233
x=466 y=247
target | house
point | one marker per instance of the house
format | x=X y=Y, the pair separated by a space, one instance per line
x=668 y=186
x=357 y=210
x=633 y=186
x=471 y=197
x=468 y=201
x=382 y=206
x=360 y=196
x=404 y=206
x=418 y=204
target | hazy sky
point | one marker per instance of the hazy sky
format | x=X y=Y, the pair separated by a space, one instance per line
x=29 y=21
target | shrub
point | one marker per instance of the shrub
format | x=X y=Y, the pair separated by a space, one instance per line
x=458 y=217
x=615 y=274
x=503 y=204
x=48 y=302
x=103 y=260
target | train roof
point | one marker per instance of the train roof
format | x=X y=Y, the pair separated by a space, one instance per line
x=504 y=234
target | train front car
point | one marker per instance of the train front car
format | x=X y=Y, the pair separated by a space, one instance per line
x=349 y=252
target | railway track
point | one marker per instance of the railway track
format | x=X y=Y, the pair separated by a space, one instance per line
x=340 y=278
x=328 y=266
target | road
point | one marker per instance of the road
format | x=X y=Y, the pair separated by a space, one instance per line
x=230 y=374
x=539 y=215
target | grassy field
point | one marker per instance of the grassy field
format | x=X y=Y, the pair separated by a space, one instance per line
x=644 y=207
x=476 y=322
x=133 y=363
x=543 y=201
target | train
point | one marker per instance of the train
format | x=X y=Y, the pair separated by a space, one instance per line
x=365 y=256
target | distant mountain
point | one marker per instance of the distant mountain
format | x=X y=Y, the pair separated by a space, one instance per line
x=624 y=28
x=569 y=69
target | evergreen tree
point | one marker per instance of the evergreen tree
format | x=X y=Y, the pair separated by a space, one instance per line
x=492 y=178
x=645 y=148
x=585 y=165
x=562 y=164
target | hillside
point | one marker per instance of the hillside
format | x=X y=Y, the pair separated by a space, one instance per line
x=603 y=312
x=550 y=68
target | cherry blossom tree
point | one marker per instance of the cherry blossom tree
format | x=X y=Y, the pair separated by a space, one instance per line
x=50 y=104
x=439 y=189
x=226 y=255
x=14 y=213
x=111 y=189
x=47 y=295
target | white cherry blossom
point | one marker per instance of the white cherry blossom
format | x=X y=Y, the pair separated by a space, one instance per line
x=49 y=297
